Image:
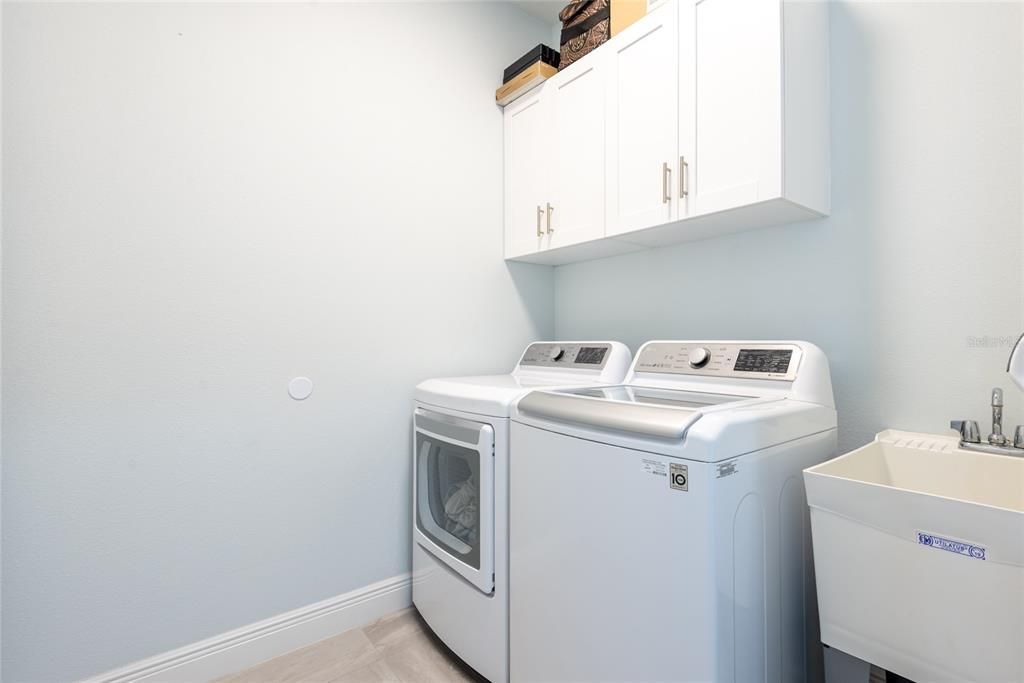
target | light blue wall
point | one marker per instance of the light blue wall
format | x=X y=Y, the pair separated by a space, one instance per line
x=204 y=201
x=921 y=258
x=201 y=204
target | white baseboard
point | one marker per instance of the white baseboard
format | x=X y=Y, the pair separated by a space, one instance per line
x=244 y=647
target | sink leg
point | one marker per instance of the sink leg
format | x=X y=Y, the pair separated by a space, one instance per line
x=843 y=668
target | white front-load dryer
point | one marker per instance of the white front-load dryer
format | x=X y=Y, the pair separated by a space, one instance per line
x=460 y=492
x=659 y=528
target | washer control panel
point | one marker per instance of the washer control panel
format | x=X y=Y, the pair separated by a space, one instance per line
x=741 y=360
x=551 y=355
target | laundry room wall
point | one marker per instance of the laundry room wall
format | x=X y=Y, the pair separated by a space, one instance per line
x=913 y=286
x=1 y=329
x=204 y=201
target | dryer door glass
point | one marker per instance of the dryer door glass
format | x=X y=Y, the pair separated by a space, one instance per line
x=449 y=500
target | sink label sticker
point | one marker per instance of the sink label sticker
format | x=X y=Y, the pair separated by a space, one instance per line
x=976 y=552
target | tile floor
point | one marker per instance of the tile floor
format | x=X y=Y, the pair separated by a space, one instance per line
x=397 y=648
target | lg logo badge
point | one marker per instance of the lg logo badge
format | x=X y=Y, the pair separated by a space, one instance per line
x=678 y=478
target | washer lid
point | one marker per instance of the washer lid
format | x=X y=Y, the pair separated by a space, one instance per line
x=650 y=411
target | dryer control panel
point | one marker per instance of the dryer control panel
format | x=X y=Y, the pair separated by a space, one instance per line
x=721 y=359
x=588 y=356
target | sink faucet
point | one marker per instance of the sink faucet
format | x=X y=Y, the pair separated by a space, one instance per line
x=997 y=438
x=970 y=435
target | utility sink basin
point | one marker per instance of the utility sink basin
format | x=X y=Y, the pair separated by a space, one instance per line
x=919 y=557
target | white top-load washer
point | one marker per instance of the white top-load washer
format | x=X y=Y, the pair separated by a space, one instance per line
x=658 y=528
x=460 y=492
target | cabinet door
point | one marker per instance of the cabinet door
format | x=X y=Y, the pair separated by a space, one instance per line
x=686 y=169
x=578 y=146
x=642 y=145
x=736 y=51
x=526 y=158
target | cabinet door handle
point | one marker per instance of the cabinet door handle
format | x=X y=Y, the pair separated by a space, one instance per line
x=549 y=210
x=540 y=212
x=684 y=178
x=666 y=181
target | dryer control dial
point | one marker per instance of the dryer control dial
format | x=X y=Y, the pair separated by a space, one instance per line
x=556 y=353
x=699 y=357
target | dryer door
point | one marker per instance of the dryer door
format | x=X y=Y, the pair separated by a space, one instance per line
x=453 y=494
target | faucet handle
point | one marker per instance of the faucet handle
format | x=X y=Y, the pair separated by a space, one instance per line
x=1018 y=437
x=970 y=433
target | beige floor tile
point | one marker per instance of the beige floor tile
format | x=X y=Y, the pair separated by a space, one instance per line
x=378 y=672
x=421 y=659
x=397 y=648
x=324 y=661
x=389 y=630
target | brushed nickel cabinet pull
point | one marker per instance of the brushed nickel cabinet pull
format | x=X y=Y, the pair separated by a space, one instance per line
x=666 y=175
x=549 y=210
x=684 y=178
x=540 y=212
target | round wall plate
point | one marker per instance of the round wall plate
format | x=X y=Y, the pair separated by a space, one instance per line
x=300 y=388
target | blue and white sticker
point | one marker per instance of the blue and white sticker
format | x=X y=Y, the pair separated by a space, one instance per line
x=976 y=552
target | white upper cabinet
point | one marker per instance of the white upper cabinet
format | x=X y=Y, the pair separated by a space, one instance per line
x=687 y=110
x=643 y=123
x=750 y=98
x=555 y=162
x=738 y=120
x=578 y=152
x=704 y=117
x=527 y=155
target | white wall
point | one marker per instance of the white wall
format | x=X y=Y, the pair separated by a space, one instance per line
x=204 y=201
x=1 y=332
x=921 y=258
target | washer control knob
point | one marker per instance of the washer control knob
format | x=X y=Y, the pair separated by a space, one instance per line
x=699 y=357
x=556 y=353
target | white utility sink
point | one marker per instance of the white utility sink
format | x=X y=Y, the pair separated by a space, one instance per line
x=919 y=557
